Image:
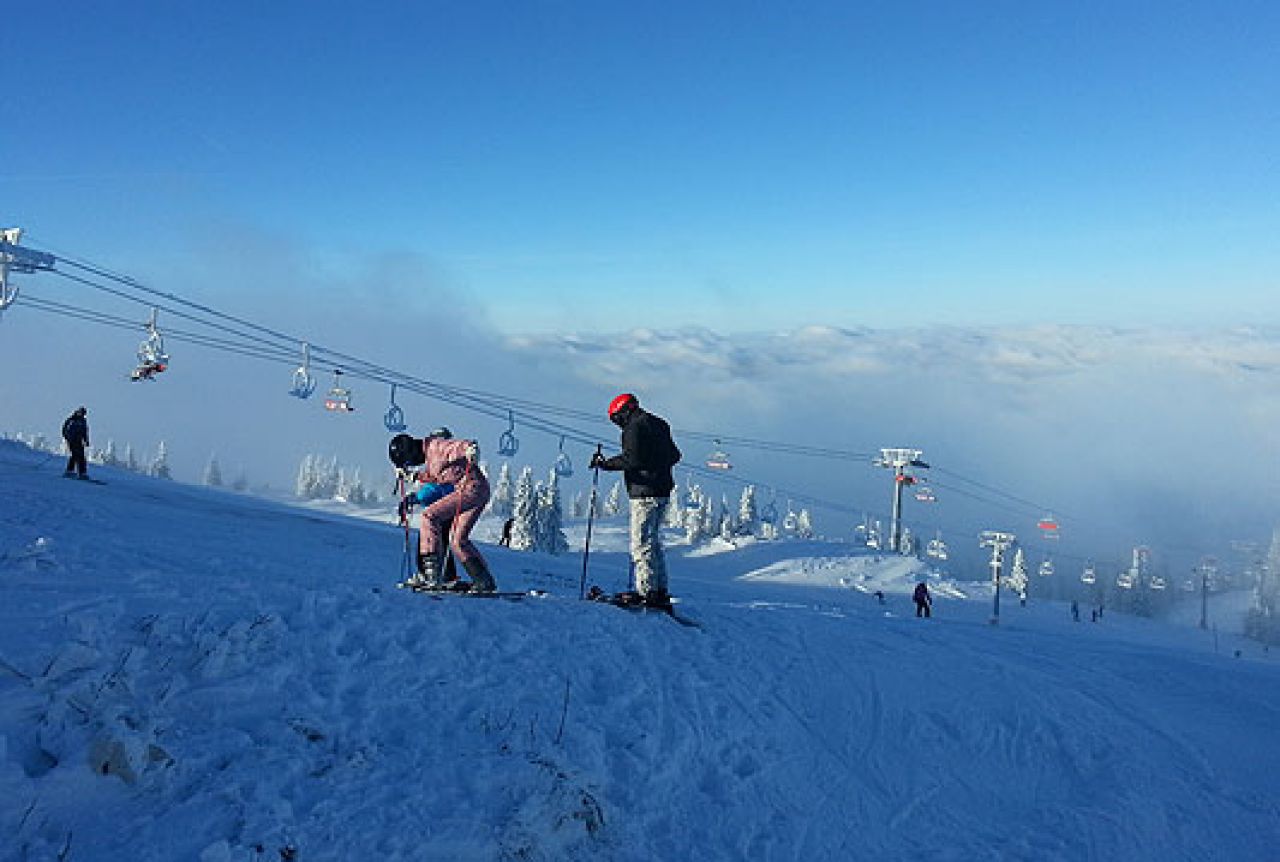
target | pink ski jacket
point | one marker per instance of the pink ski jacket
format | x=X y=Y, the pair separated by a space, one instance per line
x=448 y=461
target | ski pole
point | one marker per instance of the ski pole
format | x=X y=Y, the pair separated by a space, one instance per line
x=406 y=563
x=591 y=516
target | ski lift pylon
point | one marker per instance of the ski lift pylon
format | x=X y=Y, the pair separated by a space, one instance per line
x=393 y=420
x=339 y=398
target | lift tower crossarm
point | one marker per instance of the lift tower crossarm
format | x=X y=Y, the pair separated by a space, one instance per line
x=15 y=258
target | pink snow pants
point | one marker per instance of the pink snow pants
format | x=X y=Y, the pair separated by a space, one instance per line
x=464 y=506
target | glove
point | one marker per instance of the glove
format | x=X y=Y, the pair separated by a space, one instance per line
x=472 y=452
x=597 y=461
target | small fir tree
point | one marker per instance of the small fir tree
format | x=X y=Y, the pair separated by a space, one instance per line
x=160 y=463
x=524 y=536
x=503 y=493
x=213 y=473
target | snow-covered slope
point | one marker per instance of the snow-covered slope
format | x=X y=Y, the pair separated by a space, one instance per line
x=190 y=674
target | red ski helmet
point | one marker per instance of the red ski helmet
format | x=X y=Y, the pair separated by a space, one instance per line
x=625 y=401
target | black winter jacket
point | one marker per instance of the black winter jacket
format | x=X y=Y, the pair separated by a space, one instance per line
x=648 y=454
x=76 y=431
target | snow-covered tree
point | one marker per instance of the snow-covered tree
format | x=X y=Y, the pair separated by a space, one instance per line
x=524 y=535
x=1017 y=581
x=305 y=484
x=107 y=456
x=674 y=516
x=503 y=500
x=768 y=531
x=728 y=528
x=550 y=518
x=241 y=483
x=160 y=463
x=130 y=458
x=804 y=525
x=613 y=503
x=695 y=522
x=748 y=513
x=213 y=473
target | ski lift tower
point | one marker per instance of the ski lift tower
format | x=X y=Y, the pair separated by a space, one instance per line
x=14 y=258
x=899 y=460
x=998 y=543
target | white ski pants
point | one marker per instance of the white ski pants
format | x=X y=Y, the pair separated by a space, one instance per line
x=646 y=543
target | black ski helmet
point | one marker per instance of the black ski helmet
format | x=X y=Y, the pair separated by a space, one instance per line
x=405 y=451
x=442 y=433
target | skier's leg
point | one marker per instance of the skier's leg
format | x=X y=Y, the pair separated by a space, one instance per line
x=469 y=506
x=430 y=547
x=646 y=545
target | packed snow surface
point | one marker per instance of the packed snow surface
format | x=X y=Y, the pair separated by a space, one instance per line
x=188 y=674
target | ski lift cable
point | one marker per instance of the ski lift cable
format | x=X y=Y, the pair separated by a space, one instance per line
x=377 y=372
x=483 y=403
x=177 y=334
x=994 y=490
x=476 y=400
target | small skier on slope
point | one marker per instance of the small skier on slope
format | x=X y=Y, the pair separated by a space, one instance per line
x=924 y=601
x=454 y=489
x=75 y=430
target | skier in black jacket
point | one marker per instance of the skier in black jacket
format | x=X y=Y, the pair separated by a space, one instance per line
x=648 y=454
x=75 y=430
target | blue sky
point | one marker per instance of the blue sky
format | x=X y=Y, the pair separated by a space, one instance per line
x=601 y=166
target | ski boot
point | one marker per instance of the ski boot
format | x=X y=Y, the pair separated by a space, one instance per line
x=657 y=600
x=481 y=580
x=428 y=576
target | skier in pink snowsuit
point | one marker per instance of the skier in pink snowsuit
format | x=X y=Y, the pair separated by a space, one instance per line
x=451 y=466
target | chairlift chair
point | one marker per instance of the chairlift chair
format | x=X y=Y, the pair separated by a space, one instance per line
x=393 y=420
x=152 y=358
x=1126 y=580
x=339 y=398
x=303 y=383
x=925 y=494
x=562 y=467
x=718 y=459
x=1046 y=569
x=1089 y=575
x=1048 y=527
x=936 y=548
x=508 y=445
x=1158 y=583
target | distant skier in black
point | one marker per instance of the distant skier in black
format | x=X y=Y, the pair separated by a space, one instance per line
x=75 y=430
x=1075 y=610
x=924 y=601
x=507 y=525
x=648 y=454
